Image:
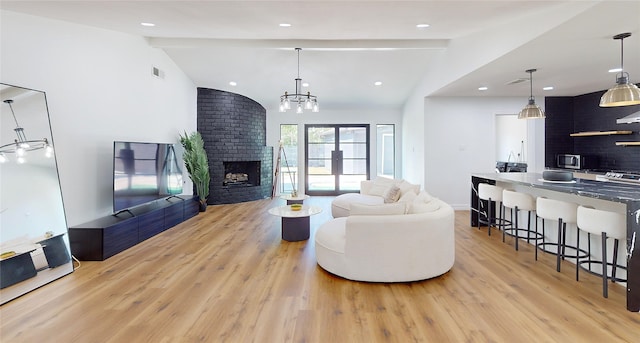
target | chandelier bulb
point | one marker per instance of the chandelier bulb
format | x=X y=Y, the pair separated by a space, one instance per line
x=48 y=151
x=299 y=108
x=3 y=158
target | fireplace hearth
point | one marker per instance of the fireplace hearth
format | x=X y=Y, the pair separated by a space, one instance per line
x=241 y=173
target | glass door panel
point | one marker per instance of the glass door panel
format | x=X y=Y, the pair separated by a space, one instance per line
x=337 y=158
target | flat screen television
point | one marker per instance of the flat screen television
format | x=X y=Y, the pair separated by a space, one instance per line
x=144 y=172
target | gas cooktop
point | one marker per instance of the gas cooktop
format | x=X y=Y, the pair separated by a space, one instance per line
x=626 y=177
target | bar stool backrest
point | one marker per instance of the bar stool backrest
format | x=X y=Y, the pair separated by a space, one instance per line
x=555 y=209
x=599 y=221
x=487 y=191
x=523 y=201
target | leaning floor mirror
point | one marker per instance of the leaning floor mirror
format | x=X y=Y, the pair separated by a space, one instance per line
x=34 y=244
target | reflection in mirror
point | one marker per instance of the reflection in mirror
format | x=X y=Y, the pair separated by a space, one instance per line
x=34 y=244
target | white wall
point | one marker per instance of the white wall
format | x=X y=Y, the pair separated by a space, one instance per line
x=99 y=89
x=413 y=141
x=355 y=116
x=511 y=138
x=460 y=139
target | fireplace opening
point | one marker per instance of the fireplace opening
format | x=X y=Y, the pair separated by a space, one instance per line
x=241 y=173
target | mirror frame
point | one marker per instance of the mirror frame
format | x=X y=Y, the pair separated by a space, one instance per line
x=34 y=239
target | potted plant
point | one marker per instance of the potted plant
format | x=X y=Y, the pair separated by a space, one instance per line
x=195 y=159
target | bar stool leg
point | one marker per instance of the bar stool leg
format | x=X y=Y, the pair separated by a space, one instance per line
x=516 y=236
x=605 y=288
x=578 y=255
x=560 y=244
x=614 y=267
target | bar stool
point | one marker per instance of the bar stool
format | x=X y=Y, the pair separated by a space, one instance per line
x=516 y=202
x=565 y=213
x=492 y=194
x=607 y=225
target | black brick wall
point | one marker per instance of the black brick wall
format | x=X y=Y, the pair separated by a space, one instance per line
x=233 y=128
x=566 y=115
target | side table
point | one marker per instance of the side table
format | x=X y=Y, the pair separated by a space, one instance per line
x=299 y=199
x=295 y=224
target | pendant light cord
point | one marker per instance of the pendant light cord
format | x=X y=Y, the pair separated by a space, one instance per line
x=622 y=56
x=530 y=71
x=298 y=62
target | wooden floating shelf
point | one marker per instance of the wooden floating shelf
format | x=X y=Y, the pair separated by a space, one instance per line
x=600 y=133
x=628 y=143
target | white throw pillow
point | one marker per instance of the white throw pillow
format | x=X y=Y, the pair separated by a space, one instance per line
x=373 y=210
x=424 y=197
x=408 y=197
x=406 y=187
x=392 y=195
x=421 y=207
x=379 y=189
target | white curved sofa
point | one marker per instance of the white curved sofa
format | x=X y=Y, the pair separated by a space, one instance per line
x=389 y=247
x=372 y=192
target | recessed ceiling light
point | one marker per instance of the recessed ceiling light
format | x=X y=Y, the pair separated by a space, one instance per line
x=615 y=70
x=285 y=25
x=305 y=84
x=483 y=88
x=548 y=88
x=422 y=26
x=378 y=83
x=148 y=24
x=233 y=83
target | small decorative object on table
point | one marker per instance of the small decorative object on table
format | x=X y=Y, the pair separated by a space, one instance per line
x=296 y=207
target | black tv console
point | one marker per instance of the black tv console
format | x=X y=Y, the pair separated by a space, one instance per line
x=104 y=237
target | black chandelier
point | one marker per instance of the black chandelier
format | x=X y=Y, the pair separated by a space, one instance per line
x=301 y=101
x=21 y=145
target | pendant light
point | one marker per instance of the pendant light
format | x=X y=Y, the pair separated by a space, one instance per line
x=531 y=111
x=300 y=101
x=21 y=145
x=623 y=93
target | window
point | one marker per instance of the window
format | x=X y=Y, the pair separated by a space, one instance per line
x=385 y=156
x=289 y=158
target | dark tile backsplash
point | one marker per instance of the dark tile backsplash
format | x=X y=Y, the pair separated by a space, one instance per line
x=566 y=115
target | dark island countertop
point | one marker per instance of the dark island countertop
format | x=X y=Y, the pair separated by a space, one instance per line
x=613 y=191
x=624 y=193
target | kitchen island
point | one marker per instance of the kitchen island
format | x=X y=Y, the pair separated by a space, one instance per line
x=611 y=196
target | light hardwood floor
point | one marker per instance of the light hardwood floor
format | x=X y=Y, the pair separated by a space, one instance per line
x=226 y=276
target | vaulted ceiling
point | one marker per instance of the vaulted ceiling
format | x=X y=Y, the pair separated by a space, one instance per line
x=349 y=45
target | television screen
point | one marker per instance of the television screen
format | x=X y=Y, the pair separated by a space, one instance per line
x=144 y=172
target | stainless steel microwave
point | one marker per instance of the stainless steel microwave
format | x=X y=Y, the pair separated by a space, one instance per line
x=572 y=161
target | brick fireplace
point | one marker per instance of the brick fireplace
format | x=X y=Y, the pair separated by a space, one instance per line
x=233 y=128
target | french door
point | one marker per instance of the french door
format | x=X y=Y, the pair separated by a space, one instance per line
x=336 y=158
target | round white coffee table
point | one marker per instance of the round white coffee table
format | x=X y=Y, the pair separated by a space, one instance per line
x=295 y=224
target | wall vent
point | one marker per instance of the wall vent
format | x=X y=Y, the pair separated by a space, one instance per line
x=157 y=72
x=513 y=82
